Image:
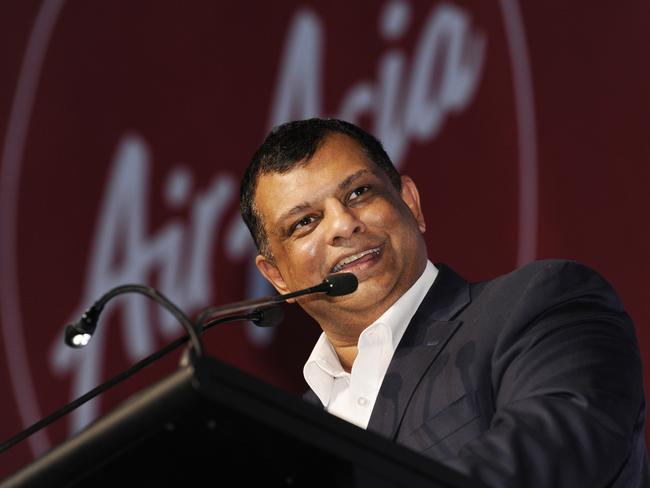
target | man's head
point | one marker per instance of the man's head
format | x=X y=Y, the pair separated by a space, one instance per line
x=322 y=196
x=293 y=144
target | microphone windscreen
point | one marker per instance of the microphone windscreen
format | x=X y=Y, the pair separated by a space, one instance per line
x=341 y=284
x=268 y=317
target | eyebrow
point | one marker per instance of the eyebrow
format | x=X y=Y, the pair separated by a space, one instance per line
x=350 y=179
x=341 y=186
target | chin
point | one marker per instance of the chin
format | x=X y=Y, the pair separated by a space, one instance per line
x=366 y=296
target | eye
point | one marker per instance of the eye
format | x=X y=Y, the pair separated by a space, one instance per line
x=357 y=192
x=303 y=222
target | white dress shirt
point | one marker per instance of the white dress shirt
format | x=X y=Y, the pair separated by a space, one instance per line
x=351 y=396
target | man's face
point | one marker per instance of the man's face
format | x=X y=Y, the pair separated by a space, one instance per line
x=341 y=213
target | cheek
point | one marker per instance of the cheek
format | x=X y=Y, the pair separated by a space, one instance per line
x=383 y=215
x=310 y=249
x=397 y=226
x=308 y=256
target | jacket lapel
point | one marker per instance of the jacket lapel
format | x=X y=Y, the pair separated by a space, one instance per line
x=425 y=337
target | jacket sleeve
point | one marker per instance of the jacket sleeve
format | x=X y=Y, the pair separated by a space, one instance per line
x=568 y=390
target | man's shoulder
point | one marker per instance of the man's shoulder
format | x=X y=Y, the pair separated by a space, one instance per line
x=551 y=269
x=555 y=280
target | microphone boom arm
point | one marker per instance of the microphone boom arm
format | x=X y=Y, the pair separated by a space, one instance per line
x=334 y=285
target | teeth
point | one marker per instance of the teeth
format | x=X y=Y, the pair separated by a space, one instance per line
x=354 y=257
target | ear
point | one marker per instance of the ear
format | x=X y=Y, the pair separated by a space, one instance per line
x=411 y=197
x=271 y=272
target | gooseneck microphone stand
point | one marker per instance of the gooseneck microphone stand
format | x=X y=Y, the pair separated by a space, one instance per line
x=257 y=317
x=263 y=312
x=79 y=333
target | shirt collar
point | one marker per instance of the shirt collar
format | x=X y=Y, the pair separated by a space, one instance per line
x=398 y=316
x=323 y=364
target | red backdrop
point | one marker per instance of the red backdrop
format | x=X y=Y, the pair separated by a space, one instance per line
x=127 y=125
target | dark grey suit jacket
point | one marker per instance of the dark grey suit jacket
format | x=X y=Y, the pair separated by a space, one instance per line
x=532 y=379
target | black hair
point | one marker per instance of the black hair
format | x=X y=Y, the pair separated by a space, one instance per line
x=293 y=144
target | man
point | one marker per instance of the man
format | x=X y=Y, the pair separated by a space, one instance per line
x=531 y=379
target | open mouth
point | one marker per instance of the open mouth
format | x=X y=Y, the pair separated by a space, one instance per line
x=354 y=259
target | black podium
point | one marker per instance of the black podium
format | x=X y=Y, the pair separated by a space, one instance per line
x=209 y=424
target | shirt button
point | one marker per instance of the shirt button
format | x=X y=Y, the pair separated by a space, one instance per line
x=363 y=401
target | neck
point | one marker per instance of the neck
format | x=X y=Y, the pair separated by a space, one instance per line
x=343 y=322
x=343 y=331
x=346 y=350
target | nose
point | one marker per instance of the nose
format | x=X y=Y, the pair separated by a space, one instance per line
x=342 y=223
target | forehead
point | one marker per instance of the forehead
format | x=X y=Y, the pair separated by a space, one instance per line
x=338 y=157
